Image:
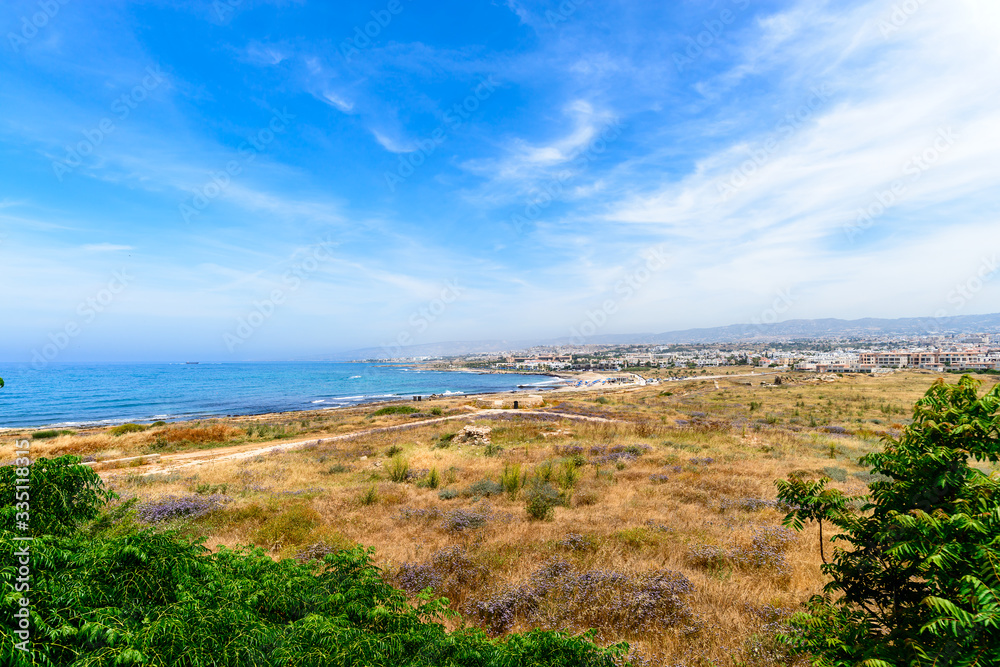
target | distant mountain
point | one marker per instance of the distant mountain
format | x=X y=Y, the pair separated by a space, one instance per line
x=733 y=333
x=833 y=328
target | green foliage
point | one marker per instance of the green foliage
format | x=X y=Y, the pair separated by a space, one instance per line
x=511 y=479
x=492 y=449
x=266 y=431
x=542 y=500
x=44 y=435
x=127 y=428
x=369 y=497
x=62 y=495
x=569 y=475
x=437 y=412
x=399 y=469
x=917 y=581
x=110 y=593
x=433 y=479
x=394 y=410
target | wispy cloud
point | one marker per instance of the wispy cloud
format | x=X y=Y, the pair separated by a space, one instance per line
x=105 y=247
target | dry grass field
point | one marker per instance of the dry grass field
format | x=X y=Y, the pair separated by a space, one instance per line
x=658 y=526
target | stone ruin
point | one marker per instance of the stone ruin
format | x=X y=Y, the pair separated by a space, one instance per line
x=474 y=435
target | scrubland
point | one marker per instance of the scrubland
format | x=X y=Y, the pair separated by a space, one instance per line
x=658 y=526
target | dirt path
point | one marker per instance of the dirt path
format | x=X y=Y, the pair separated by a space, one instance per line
x=168 y=463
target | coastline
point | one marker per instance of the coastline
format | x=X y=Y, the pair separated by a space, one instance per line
x=343 y=404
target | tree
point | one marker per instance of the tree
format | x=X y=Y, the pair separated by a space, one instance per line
x=916 y=582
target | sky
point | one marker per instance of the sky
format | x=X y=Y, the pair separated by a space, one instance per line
x=252 y=179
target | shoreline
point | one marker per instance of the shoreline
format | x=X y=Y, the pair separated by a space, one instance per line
x=407 y=398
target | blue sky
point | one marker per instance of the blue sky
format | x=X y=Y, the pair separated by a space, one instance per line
x=269 y=180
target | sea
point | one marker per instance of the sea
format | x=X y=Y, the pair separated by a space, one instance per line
x=83 y=395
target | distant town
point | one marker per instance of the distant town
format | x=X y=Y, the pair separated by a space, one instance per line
x=957 y=352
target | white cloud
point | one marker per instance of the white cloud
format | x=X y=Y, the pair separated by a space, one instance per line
x=105 y=247
x=392 y=145
x=336 y=100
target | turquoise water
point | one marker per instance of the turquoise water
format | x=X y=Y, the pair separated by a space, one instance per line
x=93 y=394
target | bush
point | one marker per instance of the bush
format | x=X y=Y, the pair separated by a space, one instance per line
x=394 y=410
x=511 y=479
x=448 y=494
x=492 y=450
x=433 y=479
x=437 y=412
x=919 y=583
x=392 y=451
x=399 y=469
x=369 y=497
x=542 y=499
x=483 y=488
x=44 y=435
x=127 y=428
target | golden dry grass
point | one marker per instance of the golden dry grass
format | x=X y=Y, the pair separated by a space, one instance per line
x=636 y=523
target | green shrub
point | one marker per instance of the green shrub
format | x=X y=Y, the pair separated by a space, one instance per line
x=369 y=497
x=394 y=410
x=568 y=476
x=483 y=488
x=492 y=450
x=433 y=479
x=437 y=412
x=266 y=431
x=44 y=435
x=127 y=428
x=399 y=469
x=511 y=479
x=392 y=451
x=448 y=494
x=337 y=468
x=541 y=501
x=918 y=583
x=158 y=424
x=545 y=472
